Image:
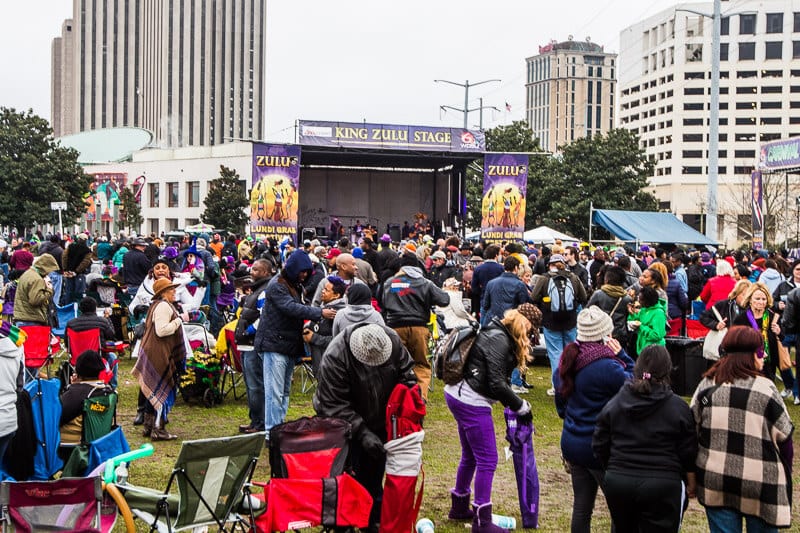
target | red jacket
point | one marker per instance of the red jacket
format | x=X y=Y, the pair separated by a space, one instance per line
x=716 y=289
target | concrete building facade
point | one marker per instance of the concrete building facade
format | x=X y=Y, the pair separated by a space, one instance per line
x=664 y=81
x=190 y=71
x=62 y=87
x=569 y=92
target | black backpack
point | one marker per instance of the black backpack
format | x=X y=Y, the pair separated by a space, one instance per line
x=452 y=354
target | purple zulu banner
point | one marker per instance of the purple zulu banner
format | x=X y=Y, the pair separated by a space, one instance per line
x=390 y=136
x=758 y=215
x=505 y=180
x=273 y=199
x=780 y=155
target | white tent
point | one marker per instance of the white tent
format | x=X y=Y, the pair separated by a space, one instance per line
x=547 y=235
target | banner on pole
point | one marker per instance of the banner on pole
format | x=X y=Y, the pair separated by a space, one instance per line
x=274 y=196
x=758 y=215
x=505 y=180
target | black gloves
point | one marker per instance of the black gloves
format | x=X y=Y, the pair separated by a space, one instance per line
x=372 y=444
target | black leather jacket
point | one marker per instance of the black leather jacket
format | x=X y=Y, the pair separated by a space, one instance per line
x=490 y=362
x=349 y=389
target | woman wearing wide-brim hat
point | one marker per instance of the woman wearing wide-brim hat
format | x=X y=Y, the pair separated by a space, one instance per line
x=162 y=353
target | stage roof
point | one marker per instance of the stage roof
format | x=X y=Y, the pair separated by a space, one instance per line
x=645 y=226
x=383 y=158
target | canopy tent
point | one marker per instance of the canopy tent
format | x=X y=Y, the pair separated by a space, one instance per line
x=644 y=226
x=547 y=235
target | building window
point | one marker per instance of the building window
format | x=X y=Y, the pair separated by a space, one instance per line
x=172 y=194
x=747 y=51
x=694 y=220
x=172 y=223
x=796 y=27
x=723 y=51
x=745 y=121
x=688 y=91
x=152 y=223
x=771 y=89
x=692 y=170
x=745 y=105
x=740 y=74
x=747 y=24
x=693 y=122
x=692 y=137
x=774 y=50
x=692 y=154
x=774 y=22
x=795 y=49
x=193 y=194
x=693 y=107
x=725 y=26
x=153 y=193
x=744 y=154
x=694 y=52
x=770 y=121
x=771 y=105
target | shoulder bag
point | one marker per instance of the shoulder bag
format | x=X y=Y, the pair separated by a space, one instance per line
x=713 y=339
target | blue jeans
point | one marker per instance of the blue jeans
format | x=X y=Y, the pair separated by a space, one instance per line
x=278 y=370
x=516 y=377
x=555 y=342
x=726 y=520
x=57 y=280
x=253 y=369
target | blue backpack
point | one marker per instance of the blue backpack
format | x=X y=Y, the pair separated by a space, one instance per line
x=562 y=295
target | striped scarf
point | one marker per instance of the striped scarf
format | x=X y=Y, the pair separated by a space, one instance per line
x=12 y=332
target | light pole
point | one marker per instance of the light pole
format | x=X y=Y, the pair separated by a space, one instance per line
x=466 y=85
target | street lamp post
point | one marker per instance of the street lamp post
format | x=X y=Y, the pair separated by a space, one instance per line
x=466 y=85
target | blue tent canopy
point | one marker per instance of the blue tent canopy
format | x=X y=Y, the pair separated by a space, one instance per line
x=646 y=226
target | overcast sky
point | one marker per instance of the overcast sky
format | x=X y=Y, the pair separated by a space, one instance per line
x=356 y=60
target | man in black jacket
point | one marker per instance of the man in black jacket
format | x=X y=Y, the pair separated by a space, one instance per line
x=245 y=336
x=279 y=337
x=135 y=265
x=359 y=371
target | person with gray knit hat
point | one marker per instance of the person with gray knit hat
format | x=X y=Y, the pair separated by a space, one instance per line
x=590 y=372
x=358 y=373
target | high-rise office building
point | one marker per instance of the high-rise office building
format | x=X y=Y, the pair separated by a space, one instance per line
x=190 y=71
x=664 y=78
x=569 y=92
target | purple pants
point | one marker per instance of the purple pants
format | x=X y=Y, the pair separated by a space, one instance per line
x=478 y=449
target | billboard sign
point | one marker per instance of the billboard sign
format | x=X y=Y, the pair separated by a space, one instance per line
x=505 y=180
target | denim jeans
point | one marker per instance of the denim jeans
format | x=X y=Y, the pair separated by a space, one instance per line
x=253 y=369
x=278 y=369
x=555 y=342
x=516 y=377
x=478 y=448
x=57 y=281
x=725 y=520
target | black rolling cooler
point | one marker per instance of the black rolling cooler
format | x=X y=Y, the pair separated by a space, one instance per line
x=686 y=352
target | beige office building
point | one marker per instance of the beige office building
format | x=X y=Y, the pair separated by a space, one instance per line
x=569 y=92
x=190 y=71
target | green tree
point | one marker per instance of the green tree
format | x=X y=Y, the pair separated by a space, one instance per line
x=130 y=210
x=610 y=171
x=34 y=171
x=226 y=202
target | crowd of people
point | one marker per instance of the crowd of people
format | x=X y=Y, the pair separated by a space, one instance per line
x=361 y=309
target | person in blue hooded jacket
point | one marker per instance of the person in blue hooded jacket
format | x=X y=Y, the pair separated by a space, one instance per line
x=279 y=337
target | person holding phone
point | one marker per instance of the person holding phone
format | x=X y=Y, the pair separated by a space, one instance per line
x=591 y=372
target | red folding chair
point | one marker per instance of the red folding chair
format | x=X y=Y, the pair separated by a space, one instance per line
x=80 y=341
x=38 y=348
x=69 y=504
x=233 y=371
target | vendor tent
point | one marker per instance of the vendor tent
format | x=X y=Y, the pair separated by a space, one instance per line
x=547 y=235
x=645 y=226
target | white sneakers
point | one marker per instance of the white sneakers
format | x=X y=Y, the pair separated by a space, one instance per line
x=551 y=391
x=518 y=389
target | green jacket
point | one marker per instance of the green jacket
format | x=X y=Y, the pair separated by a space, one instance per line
x=33 y=295
x=653 y=327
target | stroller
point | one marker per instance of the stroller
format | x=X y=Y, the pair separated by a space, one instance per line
x=202 y=377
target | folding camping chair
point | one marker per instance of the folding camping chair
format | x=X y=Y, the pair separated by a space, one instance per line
x=213 y=477
x=38 y=349
x=309 y=459
x=67 y=504
x=233 y=372
x=80 y=341
x=64 y=314
x=99 y=419
x=307 y=378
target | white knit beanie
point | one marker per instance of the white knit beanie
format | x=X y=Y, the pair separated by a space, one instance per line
x=371 y=345
x=594 y=325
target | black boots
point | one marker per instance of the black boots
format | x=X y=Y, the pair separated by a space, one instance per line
x=139 y=420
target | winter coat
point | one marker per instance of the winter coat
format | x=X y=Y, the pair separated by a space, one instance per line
x=349 y=389
x=605 y=301
x=783 y=290
x=355 y=314
x=249 y=316
x=696 y=280
x=502 y=293
x=726 y=308
x=387 y=262
x=716 y=289
x=653 y=326
x=280 y=329
x=33 y=296
x=408 y=298
x=490 y=362
x=10 y=364
x=135 y=266
x=595 y=385
x=440 y=273
x=323 y=330
x=646 y=434
x=539 y=292
x=484 y=273
x=678 y=303
x=53 y=249
x=771 y=278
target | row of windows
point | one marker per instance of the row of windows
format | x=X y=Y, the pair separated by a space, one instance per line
x=748 y=23
x=173 y=194
x=746 y=51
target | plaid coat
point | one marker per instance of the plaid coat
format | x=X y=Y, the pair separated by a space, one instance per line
x=738 y=463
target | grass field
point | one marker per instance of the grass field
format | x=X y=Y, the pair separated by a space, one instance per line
x=441 y=453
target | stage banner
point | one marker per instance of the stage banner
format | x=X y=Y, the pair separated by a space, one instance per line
x=780 y=155
x=390 y=136
x=505 y=180
x=273 y=198
x=758 y=215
